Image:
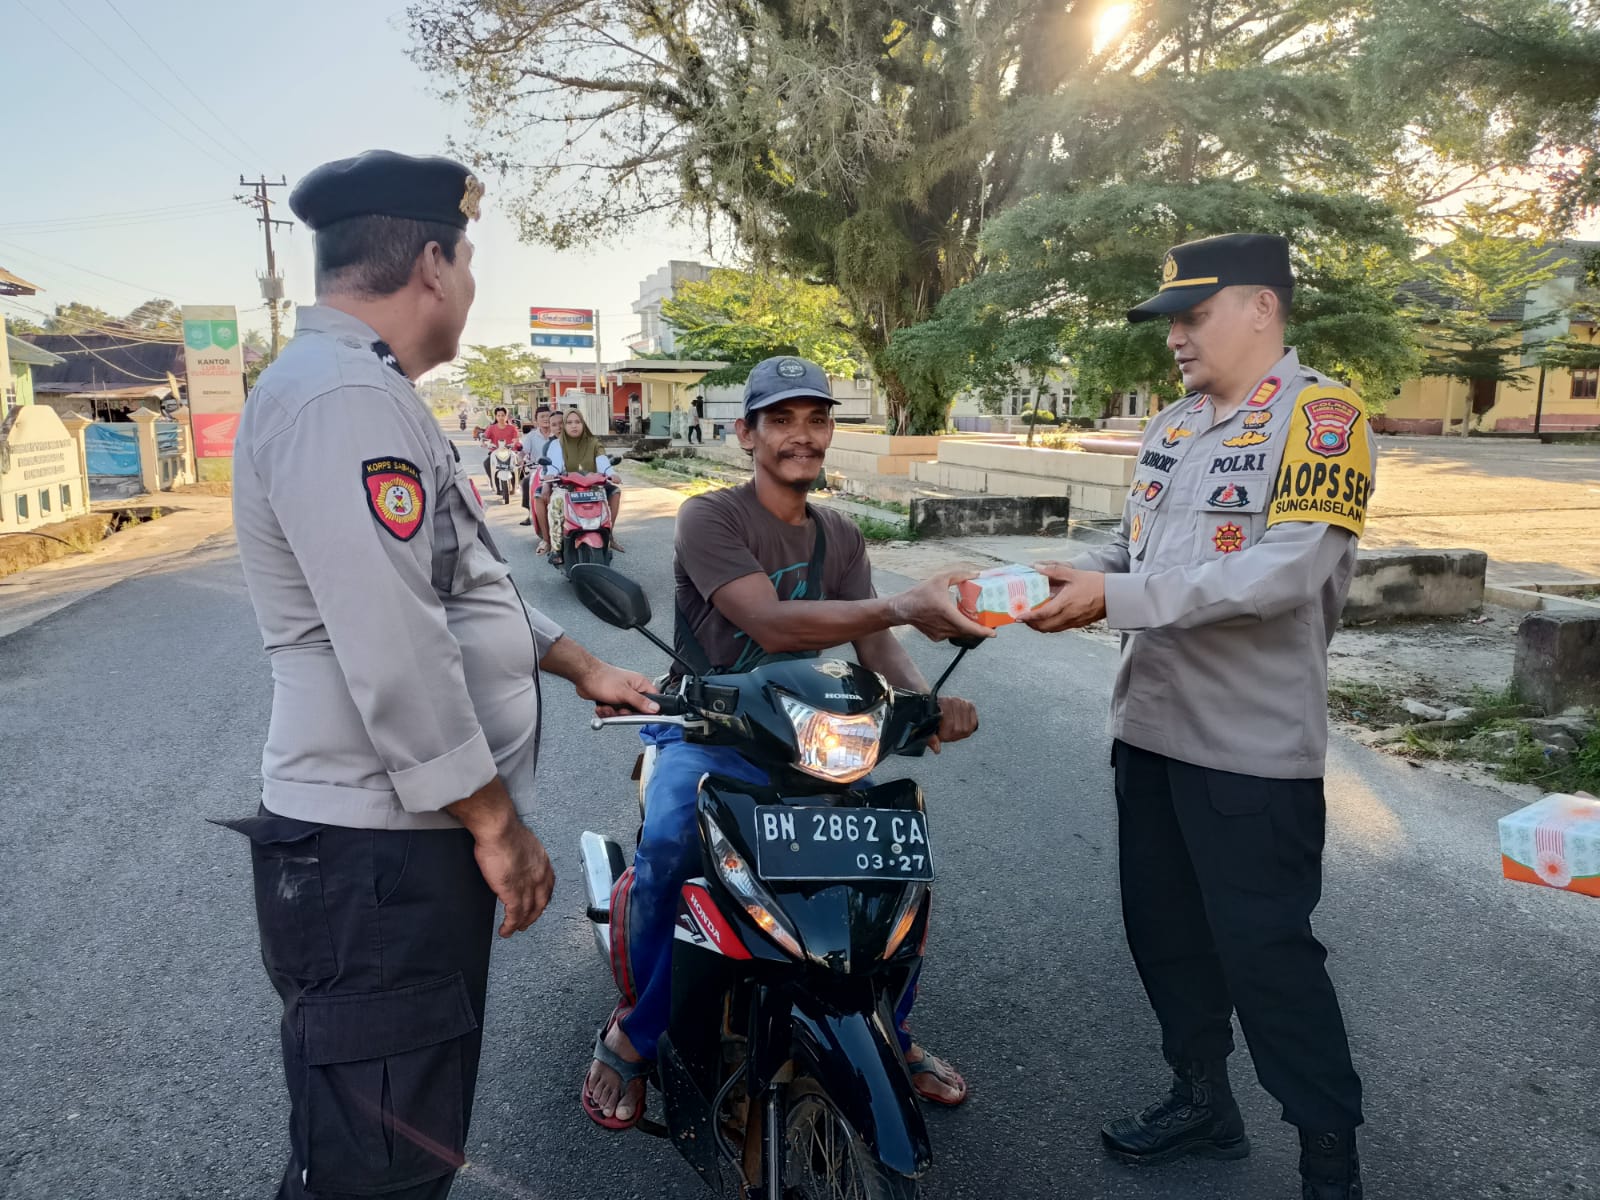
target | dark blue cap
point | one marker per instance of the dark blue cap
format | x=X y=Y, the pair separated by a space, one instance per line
x=383 y=183
x=1196 y=270
x=774 y=380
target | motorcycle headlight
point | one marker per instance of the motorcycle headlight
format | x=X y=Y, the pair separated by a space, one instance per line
x=758 y=903
x=834 y=746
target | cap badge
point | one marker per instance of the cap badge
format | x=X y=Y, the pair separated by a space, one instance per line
x=1169 y=269
x=471 y=195
x=791 y=368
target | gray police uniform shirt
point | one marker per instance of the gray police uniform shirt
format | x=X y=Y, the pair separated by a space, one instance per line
x=404 y=663
x=1229 y=570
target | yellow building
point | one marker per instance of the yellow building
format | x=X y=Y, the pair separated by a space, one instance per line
x=1562 y=400
x=1571 y=401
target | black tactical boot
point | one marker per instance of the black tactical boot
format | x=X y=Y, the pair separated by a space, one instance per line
x=1198 y=1117
x=1329 y=1166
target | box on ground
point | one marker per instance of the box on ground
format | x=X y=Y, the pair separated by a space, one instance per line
x=1554 y=842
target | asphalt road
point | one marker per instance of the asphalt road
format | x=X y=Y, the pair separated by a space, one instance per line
x=139 y=1040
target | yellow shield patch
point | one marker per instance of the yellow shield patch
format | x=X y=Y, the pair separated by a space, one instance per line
x=1326 y=474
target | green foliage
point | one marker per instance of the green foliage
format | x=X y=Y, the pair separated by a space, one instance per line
x=868 y=143
x=1472 y=300
x=742 y=317
x=485 y=370
x=1041 y=416
x=881 y=531
x=1066 y=266
x=73 y=317
x=156 y=316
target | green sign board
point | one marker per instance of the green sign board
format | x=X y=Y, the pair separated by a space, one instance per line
x=202 y=335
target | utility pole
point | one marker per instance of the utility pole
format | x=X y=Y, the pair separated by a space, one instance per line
x=271 y=282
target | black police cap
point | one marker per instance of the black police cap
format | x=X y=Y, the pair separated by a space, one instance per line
x=383 y=183
x=1196 y=270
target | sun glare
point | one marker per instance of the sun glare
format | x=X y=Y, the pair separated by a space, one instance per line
x=1110 y=24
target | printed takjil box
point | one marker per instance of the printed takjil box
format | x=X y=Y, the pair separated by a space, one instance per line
x=1554 y=842
x=1002 y=595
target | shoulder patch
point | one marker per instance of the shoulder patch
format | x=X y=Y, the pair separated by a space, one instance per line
x=395 y=495
x=1326 y=473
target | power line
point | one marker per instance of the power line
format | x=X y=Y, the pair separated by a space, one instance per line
x=127 y=214
x=139 y=75
x=127 y=335
x=148 y=291
x=54 y=32
x=180 y=81
x=97 y=226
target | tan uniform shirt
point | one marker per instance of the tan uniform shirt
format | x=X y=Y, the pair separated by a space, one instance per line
x=404 y=663
x=1229 y=570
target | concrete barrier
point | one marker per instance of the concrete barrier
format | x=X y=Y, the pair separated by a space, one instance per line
x=1416 y=583
x=1558 y=659
x=986 y=516
x=1096 y=484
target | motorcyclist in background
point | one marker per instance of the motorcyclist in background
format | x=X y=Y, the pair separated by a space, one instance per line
x=501 y=433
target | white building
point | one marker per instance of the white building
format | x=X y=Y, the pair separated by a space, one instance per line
x=1056 y=391
x=655 y=335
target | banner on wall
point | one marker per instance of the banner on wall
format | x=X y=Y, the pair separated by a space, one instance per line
x=214 y=360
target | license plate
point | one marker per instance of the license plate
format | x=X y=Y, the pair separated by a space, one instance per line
x=586 y=497
x=842 y=843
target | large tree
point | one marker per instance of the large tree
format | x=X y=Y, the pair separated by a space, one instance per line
x=485 y=370
x=866 y=143
x=742 y=317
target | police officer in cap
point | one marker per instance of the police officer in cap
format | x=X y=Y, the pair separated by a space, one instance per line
x=1226 y=579
x=405 y=714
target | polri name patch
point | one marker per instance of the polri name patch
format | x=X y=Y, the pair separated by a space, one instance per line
x=395 y=495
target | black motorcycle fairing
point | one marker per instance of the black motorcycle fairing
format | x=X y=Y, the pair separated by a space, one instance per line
x=750 y=713
x=853 y=1053
x=843 y=926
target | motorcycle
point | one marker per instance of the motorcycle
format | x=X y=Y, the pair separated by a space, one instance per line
x=780 y=1070
x=505 y=472
x=463 y=422
x=584 y=520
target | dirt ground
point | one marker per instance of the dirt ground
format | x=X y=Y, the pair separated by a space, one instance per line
x=1534 y=509
x=1434 y=661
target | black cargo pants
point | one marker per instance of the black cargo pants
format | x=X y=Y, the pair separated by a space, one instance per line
x=378 y=943
x=1220 y=874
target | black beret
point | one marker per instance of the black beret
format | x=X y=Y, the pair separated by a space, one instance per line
x=383 y=183
x=1199 y=269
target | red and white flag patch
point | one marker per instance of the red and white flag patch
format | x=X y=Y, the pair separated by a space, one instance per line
x=395 y=495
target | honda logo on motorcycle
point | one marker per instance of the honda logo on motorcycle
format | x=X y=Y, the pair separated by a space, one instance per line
x=703 y=909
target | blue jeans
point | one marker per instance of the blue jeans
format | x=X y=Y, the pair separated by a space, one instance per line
x=667 y=858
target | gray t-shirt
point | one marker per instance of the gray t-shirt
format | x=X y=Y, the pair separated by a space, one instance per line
x=727 y=535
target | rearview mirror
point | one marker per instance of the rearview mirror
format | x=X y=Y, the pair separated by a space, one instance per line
x=611 y=596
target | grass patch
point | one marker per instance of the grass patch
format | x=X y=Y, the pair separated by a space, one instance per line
x=881 y=531
x=893 y=506
x=1527 y=763
x=31 y=548
x=1366 y=704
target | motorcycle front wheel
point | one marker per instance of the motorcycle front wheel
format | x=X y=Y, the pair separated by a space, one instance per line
x=825 y=1160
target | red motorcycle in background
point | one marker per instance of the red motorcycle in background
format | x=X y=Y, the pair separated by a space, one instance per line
x=585 y=522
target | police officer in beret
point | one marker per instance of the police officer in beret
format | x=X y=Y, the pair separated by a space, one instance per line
x=405 y=716
x=1226 y=579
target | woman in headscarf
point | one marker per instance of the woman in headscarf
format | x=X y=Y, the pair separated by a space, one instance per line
x=578 y=450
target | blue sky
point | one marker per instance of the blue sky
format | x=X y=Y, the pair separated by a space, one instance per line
x=294 y=84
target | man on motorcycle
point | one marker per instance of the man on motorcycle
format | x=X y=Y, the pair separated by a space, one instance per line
x=743 y=561
x=533 y=449
x=501 y=433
